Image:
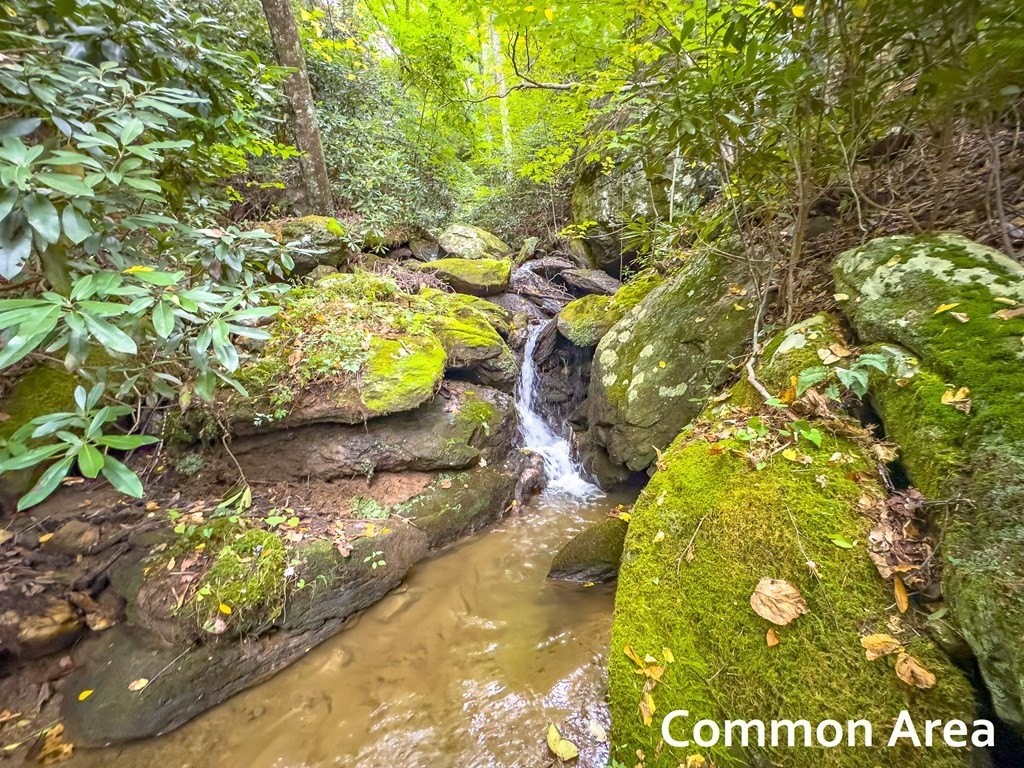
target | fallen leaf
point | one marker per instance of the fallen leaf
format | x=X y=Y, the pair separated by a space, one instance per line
x=946 y=307
x=597 y=731
x=5 y=536
x=225 y=609
x=778 y=601
x=632 y=655
x=840 y=541
x=827 y=356
x=877 y=646
x=1009 y=314
x=137 y=685
x=8 y=715
x=960 y=317
x=900 y=590
x=152 y=506
x=912 y=672
x=562 y=748
x=1005 y=300
x=841 y=296
x=647 y=708
x=839 y=350
x=659 y=537
x=772 y=638
x=667 y=655
x=85 y=694
x=45 y=538
x=798 y=11
x=54 y=749
x=959 y=399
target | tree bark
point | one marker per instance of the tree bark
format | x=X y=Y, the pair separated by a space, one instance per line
x=288 y=48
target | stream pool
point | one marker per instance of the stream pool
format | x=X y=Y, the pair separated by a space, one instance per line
x=464 y=665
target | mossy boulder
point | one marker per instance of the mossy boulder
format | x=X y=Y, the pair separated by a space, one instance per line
x=468 y=242
x=475 y=348
x=451 y=432
x=655 y=366
x=477 y=277
x=323 y=237
x=950 y=308
x=705 y=531
x=593 y=554
x=585 y=321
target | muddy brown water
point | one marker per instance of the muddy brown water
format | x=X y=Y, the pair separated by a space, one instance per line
x=465 y=665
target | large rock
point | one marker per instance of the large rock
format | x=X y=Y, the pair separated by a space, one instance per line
x=587 y=281
x=947 y=313
x=593 y=554
x=186 y=679
x=585 y=321
x=539 y=291
x=468 y=242
x=453 y=431
x=477 y=277
x=354 y=347
x=317 y=241
x=604 y=203
x=655 y=366
x=734 y=503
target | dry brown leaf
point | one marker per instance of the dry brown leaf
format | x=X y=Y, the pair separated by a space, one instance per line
x=900 y=590
x=877 y=646
x=961 y=317
x=839 y=350
x=1009 y=314
x=137 y=685
x=53 y=749
x=772 y=638
x=912 y=672
x=778 y=601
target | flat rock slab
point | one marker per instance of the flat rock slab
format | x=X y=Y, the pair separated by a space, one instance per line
x=592 y=555
x=588 y=281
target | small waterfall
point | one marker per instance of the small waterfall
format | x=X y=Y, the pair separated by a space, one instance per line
x=564 y=475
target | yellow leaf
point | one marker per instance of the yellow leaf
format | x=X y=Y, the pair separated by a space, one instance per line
x=562 y=748
x=530 y=8
x=798 y=11
x=902 y=598
x=632 y=655
x=45 y=538
x=773 y=6
x=549 y=14
x=659 y=537
x=85 y=694
x=912 y=672
x=949 y=396
x=138 y=268
x=667 y=655
x=772 y=637
x=841 y=296
x=137 y=685
x=661 y=363
x=790 y=454
x=698 y=761
x=225 y=609
x=647 y=708
x=778 y=601
x=877 y=646
x=152 y=506
x=946 y=307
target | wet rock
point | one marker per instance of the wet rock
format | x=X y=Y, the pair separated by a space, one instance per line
x=459 y=503
x=588 y=281
x=186 y=680
x=40 y=627
x=945 y=312
x=517 y=305
x=447 y=433
x=542 y=293
x=527 y=251
x=75 y=537
x=550 y=266
x=319 y=241
x=424 y=249
x=478 y=277
x=592 y=555
x=465 y=241
x=654 y=366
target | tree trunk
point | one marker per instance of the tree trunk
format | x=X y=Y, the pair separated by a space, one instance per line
x=285 y=35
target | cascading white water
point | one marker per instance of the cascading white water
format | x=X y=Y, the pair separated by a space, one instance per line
x=565 y=476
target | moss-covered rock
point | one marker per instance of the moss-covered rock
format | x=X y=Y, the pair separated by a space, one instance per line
x=585 y=321
x=461 y=502
x=468 y=242
x=593 y=554
x=323 y=236
x=951 y=305
x=475 y=348
x=653 y=369
x=477 y=277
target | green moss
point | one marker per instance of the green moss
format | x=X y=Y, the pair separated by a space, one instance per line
x=247 y=576
x=586 y=320
x=43 y=390
x=593 y=554
x=745 y=525
x=400 y=374
x=479 y=277
x=796 y=349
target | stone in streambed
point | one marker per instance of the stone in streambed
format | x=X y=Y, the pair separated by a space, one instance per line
x=589 y=281
x=477 y=277
x=592 y=555
x=465 y=241
x=320 y=242
x=585 y=321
